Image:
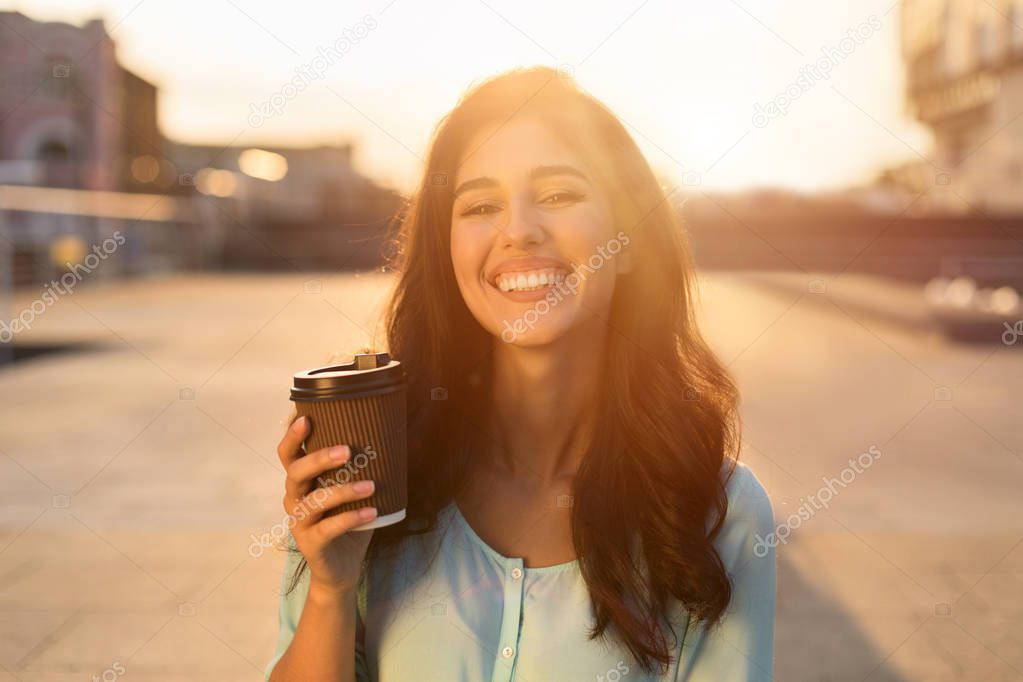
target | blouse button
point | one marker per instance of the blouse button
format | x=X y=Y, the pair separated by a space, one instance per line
x=507 y=652
x=516 y=573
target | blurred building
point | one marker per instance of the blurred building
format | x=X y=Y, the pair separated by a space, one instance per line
x=70 y=115
x=277 y=183
x=287 y=207
x=72 y=118
x=964 y=81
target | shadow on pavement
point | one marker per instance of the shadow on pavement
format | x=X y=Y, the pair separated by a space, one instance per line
x=817 y=640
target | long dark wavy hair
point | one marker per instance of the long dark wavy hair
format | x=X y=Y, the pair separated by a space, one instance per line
x=649 y=496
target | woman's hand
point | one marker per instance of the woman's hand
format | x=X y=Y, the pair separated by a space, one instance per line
x=334 y=555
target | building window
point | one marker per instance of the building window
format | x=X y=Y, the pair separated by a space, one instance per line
x=52 y=150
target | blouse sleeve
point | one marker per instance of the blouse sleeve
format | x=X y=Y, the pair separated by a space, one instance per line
x=290 y=610
x=740 y=647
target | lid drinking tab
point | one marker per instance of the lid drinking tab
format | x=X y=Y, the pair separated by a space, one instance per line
x=371 y=360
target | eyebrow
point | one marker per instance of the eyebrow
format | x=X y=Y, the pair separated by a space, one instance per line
x=535 y=174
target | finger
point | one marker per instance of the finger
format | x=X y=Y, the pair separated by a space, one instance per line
x=314 y=505
x=290 y=447
x=335 y=526
x=302 y=471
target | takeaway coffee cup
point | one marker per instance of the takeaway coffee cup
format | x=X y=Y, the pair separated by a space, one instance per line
x=360 y=404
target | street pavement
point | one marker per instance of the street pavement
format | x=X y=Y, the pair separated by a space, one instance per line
x=137 y=465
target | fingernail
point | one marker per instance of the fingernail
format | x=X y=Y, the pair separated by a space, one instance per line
x=363 y=486
x=298 y=424
x=338 y=452
x=367 y=512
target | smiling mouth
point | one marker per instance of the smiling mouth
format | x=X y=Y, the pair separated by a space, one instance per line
x=530 y=280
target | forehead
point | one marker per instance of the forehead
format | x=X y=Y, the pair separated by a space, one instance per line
x=510 y=150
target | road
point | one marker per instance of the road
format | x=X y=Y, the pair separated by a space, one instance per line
x=136 y=464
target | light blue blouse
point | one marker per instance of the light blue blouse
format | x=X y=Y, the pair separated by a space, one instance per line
x=477 y=615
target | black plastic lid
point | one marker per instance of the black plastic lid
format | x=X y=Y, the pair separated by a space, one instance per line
x=367 y=374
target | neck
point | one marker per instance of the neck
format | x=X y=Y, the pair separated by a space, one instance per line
x=544 y=405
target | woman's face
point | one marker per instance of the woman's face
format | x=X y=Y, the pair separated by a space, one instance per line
x=533 y=241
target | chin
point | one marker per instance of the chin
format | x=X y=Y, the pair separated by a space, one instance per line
x=528 y=319
x=526 y=332
x=530 y=338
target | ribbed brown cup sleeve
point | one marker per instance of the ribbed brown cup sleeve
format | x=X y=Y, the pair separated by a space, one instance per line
x=374 y=428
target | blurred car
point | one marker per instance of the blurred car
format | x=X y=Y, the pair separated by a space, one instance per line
x=966 y=312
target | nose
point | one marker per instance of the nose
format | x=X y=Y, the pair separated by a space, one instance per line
x=523 y=225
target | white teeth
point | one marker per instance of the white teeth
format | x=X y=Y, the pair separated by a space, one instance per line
x=526 y=281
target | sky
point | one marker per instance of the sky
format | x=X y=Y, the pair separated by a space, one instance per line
x=694 y=82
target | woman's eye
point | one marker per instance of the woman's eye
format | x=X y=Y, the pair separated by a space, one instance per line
x=557 y=198
x=478 y=210
x=561 y=197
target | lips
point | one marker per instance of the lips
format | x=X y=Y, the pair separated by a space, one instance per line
x=527 y=273
x=528 y=281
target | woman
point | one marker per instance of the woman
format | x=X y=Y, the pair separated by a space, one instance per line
x=575 y=508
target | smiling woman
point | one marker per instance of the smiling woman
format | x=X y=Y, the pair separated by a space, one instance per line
x=525 y=215
x=576 y=510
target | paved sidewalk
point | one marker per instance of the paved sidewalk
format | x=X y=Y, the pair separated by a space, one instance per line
x=133 y=473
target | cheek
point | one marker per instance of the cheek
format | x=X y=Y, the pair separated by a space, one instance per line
x=586 y=237
x=466 y=258
x=590 y=223
x=593 y=233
